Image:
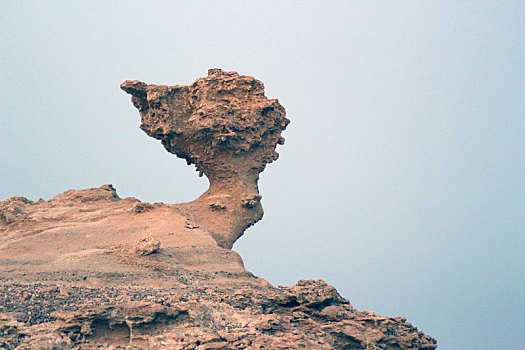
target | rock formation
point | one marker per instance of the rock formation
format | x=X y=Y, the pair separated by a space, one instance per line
x=226 y=127
x=87 y=269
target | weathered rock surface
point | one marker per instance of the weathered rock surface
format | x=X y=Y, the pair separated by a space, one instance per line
x=94 y=234
x=225 y=125
x=309 y=315
x=87 y=269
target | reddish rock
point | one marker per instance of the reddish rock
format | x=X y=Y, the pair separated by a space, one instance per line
x=146 y=246
x=87 y=269
x=228 y=128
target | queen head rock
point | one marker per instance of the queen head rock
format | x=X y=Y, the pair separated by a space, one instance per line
x=228 y=128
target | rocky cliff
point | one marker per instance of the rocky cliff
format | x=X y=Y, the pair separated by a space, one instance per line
x=87 y=269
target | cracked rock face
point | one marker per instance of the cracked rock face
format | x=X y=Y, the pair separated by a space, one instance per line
x=228 y=128
x=309 y=315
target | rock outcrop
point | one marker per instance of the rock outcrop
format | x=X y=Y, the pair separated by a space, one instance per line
x=87 y=269
x=226 y=127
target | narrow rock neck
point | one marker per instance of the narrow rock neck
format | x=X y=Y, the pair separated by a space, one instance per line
x=231 y=185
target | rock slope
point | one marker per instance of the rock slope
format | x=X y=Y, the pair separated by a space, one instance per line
x=87 y=269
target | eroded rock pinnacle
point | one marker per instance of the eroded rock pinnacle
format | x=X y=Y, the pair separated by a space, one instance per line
x=228 y=128
x=87 y=269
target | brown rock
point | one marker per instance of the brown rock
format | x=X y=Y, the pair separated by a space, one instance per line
x=226 y=127
x=84 y=270
x=146 y=246
x=141 y=208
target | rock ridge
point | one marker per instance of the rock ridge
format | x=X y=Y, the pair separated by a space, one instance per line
x=309 y=315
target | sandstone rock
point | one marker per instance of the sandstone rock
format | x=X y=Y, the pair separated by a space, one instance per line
x=146 y=246
x=141 y=208
x=226 y=127
x=189 y=318
x=84 y=270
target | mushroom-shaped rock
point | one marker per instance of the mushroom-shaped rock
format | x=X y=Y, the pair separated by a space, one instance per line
x=228 y=128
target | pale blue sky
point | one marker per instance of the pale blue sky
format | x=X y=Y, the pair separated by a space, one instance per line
x=402 y=179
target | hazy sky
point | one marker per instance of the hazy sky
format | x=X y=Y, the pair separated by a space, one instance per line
x=402 y=179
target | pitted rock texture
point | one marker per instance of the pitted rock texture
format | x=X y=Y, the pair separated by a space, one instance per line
x=228 y=128
x=89 y=270
x=309 y=315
